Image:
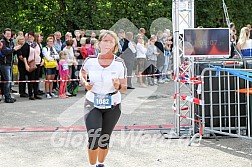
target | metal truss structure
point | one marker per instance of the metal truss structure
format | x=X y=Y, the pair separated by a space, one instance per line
x=182 y=17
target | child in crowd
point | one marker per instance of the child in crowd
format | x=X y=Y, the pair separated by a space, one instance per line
x=83 y=49
x=151 y=56
x=91 y=50
x=64 y=74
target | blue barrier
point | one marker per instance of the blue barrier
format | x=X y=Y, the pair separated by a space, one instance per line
x=239 y=73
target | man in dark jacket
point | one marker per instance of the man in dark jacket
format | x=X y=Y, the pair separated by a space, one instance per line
x=122 y=46
x=6 y=59
x=160 y=58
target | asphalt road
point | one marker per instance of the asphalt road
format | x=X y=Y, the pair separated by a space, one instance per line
x=43 y=142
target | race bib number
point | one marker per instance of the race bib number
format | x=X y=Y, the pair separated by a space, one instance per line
x=102 y=101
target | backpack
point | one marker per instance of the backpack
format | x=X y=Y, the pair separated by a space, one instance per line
x=73 y=88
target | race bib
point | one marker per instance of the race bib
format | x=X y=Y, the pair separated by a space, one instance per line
x=102 y=101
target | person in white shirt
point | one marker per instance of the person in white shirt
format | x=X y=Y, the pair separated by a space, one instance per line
x=71 y=59
x=108 y=79
x=93 y=35
x=50 y=54
x=141 y=58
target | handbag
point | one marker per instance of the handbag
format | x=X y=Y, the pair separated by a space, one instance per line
x=50 y=64
x=32 y=65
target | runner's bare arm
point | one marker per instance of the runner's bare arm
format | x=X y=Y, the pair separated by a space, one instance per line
x=120 y=84
x=124 y=85
x=83 y=79
x=83 y=76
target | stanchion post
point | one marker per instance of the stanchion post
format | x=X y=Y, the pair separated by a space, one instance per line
x=176 y=67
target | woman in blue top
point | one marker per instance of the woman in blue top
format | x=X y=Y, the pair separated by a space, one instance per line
x=244 y=43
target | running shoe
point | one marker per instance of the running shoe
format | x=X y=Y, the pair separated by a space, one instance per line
x=100 y=165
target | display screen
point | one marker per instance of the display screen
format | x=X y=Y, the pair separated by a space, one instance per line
x=207 y=42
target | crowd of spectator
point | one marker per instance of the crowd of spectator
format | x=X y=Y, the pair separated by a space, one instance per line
x=24 y=58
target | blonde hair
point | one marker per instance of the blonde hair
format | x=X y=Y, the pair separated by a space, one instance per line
x=103 y=30
x=141 y=30
x=61 y=53
x=83 y=41
x=129 y=36
x=19 y=37
x=111 y=33
x=49 y=38
x=68 y=34
x=153 y=37
x=244 y=34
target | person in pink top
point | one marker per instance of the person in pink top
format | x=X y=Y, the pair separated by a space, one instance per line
x=91 y=50
x=63 y=73
x=33 y=53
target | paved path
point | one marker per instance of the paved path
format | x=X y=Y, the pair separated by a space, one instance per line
x=150 y=106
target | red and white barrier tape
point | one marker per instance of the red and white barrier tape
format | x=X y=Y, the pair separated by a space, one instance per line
x=190 y=99
x=192 y=80
x=185 y=79
x=70 y=80
x=194 y=120
x=194 y=100
x=148 y=75
x=185 y=117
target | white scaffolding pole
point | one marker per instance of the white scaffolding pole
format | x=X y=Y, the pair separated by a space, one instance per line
x=226 y=13
x=176 y=59
x=182 y=17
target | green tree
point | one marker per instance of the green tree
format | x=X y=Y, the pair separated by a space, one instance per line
x=47 y=16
